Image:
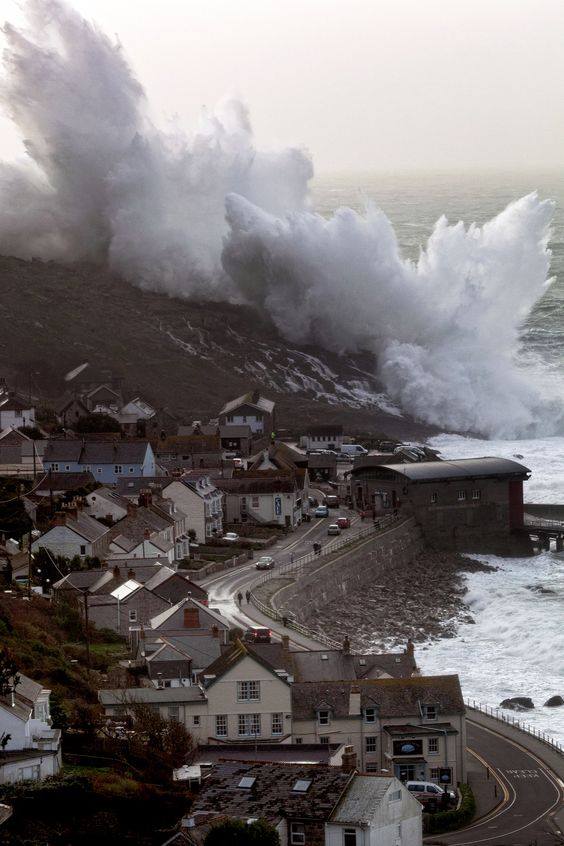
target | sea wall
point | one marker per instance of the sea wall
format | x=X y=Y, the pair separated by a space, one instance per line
x=368 y=563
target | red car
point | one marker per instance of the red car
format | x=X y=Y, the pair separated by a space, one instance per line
x=343 y=523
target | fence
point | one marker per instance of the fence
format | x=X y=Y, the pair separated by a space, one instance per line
x=295 y=569
x=518 y=724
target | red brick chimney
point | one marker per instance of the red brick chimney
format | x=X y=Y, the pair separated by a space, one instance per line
x=59 y=518
x=131 y=509
x=348 y=761
x=215 y=629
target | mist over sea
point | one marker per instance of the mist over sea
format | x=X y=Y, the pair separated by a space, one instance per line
x=516 y=645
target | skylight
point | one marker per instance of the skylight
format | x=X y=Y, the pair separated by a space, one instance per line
x=301 y=786
x=246 y=782
x=125 y=589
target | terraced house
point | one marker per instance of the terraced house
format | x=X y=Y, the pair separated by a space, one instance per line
x=106 y=460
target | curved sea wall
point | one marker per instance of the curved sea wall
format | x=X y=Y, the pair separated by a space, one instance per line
x=371 y=561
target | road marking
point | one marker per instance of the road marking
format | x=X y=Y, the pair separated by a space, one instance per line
x=523 y=773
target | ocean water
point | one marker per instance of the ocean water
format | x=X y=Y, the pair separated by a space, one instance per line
x=516 y=645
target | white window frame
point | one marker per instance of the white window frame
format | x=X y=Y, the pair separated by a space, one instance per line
x=248 y=691
x=434 y=712
x=372 y=741
x=55 y=467
x=132 y=616
x=349 y=833
x=173 y=713
x=434 y=498
x=118 y=469
x=476 y=494
x=370 y=715
x=297 y=834
x=433 y=746
x=277 y=723
x=325 y=719
x=248 y=725
x=196 y=720
x=221 y=725
x=461 y=496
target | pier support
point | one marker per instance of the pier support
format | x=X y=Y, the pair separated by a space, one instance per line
x=546 y=542
x=559 y=543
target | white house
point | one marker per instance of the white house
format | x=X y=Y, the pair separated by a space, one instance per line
x=15 y=412
x=252 y=410
x=200 y=501
x=74 y=533
x=33 y=750
x=375 y=811
x=324 y=436
x=104 y=504
x=268 y=499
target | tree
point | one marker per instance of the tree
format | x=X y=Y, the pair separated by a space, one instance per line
x=9 y=677
x=97 y=422
x=32 y=432
x=240 y=833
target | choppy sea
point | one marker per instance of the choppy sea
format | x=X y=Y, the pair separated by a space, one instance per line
x=516 y=645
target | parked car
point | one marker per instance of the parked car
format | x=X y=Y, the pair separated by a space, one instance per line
x=353 y=449
x=343 y=457
x=265 y=562
x=231 y=536
x=333 y=529
x=321 y=511
x=432 y=796
x=257 y=634
x=332 y=501
x=343 y=522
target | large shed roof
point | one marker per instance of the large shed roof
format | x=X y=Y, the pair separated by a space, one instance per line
x=426 y=471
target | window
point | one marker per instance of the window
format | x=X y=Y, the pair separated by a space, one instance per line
x=461 y=496
x=297 y=834
x=82 y=549
x=371 y=768
x=99 y=470
x=133 y=616
x=173 y=712
x=302 y=785
x=323 y=718
x=246 y=782
x=277 y=724
x=55 y=468
x=434 y=774
x=118 y=469
x=249 y=725
x=371 y=743
x=196 y=720
x=349 y=837
x=369 y=714
x=298 y=740
x=131 y=469
x=433 y=746
x=221 y=725
x=325 y=740
x=434 y=497
x=477 y=494
x=394 y=796
x=67 y=467
x=255 y=502
x=430 y=712
x=31 y=773
x=248 y=691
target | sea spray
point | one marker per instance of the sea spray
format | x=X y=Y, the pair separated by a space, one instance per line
x=208 y=215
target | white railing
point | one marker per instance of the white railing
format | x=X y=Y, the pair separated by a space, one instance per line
x=517 y=723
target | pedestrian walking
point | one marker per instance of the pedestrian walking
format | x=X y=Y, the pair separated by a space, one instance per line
x=239 y=597
x=248 y=595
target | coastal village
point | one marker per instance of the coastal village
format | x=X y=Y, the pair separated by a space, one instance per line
x=182 y=612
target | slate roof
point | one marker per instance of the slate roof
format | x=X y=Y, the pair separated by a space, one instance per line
x=168 y=695
x=256 y=485
x=393 y=697
x=160 y=620
x=320 y=461
x=127 y=486
x=271 y=796
x=242 y=431
x=84 y=526
x=26 y=694
x=251 y=399
x=326 y=429
x=63 y=482
x=202 y=647
x=177 y=587
x=96 y=452
x=231 y=657
x=337 y=665
x=291 y=753
x=15 y=404
x=358 y=805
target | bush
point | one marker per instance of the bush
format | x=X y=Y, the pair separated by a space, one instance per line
x=456 y=818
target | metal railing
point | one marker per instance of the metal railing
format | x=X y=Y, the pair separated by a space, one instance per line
x=542 y=522
x=295 y=568
x=553 y=744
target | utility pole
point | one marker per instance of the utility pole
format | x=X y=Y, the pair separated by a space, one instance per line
x=85 y=594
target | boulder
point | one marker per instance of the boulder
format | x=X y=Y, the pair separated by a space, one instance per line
x=554 y=702
x=518 y=703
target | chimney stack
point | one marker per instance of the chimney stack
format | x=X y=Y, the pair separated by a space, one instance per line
x=410 y=648
x=215 y=631
x=146 y=534
x=131 y=573
x=131 y=509
x=115 y=572
x=60 y=518
x=346 y=646
x=348 y=761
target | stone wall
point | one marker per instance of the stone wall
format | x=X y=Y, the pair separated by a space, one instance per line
x=369 y=562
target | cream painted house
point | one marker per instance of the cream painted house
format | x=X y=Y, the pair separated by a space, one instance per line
x=414 y=728
x=200 y=501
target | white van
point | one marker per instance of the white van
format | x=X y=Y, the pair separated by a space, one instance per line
x=353 y=449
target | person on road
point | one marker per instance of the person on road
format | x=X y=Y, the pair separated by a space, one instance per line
x=239 y=597
x=248 y=596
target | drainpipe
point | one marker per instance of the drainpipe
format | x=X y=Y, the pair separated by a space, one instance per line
x=444 y=731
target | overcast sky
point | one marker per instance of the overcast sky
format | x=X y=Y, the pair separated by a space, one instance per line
x=364 y=84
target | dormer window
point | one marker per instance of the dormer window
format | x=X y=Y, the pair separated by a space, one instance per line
x=370 y=715
x=430 y=712
x=323 y=717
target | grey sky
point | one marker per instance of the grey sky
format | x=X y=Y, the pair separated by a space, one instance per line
x=364 y=84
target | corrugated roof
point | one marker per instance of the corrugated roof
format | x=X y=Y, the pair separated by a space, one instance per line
x=426 y=471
